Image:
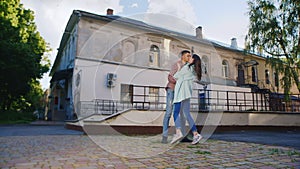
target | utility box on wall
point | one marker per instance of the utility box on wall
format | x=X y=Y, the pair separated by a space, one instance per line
x=111 y=79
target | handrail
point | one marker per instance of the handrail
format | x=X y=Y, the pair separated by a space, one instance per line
x=202 y=100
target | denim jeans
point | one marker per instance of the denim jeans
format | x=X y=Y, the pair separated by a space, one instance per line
x=168 y=114
x=184 y=106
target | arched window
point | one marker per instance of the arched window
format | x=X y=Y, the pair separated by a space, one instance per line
x=205 y=67
x=267 y=76
x=225 y=68
x=154 y=58
x=276 y=79
x=254 y=73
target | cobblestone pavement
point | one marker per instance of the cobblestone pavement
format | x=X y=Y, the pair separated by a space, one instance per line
x=120 y=152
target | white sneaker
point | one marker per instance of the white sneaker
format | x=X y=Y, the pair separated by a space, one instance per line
x=176 y=137
x=196 y=139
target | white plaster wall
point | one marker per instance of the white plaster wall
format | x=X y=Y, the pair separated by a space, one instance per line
x=93 y=79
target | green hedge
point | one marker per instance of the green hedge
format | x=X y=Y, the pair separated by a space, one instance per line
x=15 y=117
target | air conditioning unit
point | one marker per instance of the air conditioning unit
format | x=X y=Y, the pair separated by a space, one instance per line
x=111 y=79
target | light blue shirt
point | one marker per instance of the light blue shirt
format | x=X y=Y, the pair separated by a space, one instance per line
x=184 y=83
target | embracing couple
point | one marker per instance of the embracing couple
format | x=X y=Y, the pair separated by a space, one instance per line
x=179 y=92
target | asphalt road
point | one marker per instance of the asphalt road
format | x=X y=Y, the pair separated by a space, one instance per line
x=278 y=138
x=33 y=130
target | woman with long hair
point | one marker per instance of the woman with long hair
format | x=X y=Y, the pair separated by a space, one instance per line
x=182 y=94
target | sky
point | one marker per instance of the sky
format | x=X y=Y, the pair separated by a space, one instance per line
x=221 y=20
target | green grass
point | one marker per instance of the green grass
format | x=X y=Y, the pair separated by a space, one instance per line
x=203 y=152
x=276 y=151
x=193 y=146
x=14 y=117
x=293 y=152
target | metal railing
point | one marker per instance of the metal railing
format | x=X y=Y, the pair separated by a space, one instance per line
x=247 y=101
x=202 y=100
x=232 y=100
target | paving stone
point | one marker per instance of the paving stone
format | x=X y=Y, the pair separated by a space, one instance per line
x=119 y=152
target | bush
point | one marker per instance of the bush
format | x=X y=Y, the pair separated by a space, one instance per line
x=16 y=117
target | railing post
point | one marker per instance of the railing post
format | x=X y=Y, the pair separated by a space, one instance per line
x=227 y=100
x=236 y=99
x=208 y=97
x=257 y=102
x=261 y=102
x=144 y=98
x=218 y=99
x=95 y=104
x=265 y=99
x=253 y=101
x=245 y=102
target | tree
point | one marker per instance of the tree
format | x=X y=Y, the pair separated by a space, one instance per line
x=22 y=59
x=275 y=30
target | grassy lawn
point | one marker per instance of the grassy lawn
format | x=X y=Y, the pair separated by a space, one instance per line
x=13 y=117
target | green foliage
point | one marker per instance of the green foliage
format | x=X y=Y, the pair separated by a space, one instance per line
x=22 y=59
x=193 y=146
x=203 y=152
x=35 y=95
x=16 y=117
x=275 y=30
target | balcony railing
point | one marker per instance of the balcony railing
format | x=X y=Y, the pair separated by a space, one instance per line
x=202 y=100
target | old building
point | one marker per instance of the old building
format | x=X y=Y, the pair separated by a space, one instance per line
x=106 y=59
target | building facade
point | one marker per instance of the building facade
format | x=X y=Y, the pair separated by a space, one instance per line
x=102 y=57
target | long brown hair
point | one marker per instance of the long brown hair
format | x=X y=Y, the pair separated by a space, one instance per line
x=197 y=66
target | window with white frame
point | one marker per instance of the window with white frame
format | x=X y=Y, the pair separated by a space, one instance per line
x=225 y=68
x=254 y=73
x=267 y=76
x=205 y=65
x=154 y=57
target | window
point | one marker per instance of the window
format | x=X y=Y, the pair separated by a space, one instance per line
x=126 y=92
x=154 y=94
x=154 y=56
x=267 y=76
x=225 y=69
x=254 y=73
x=128 y=52
x=205 y=65
x=276 y=79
